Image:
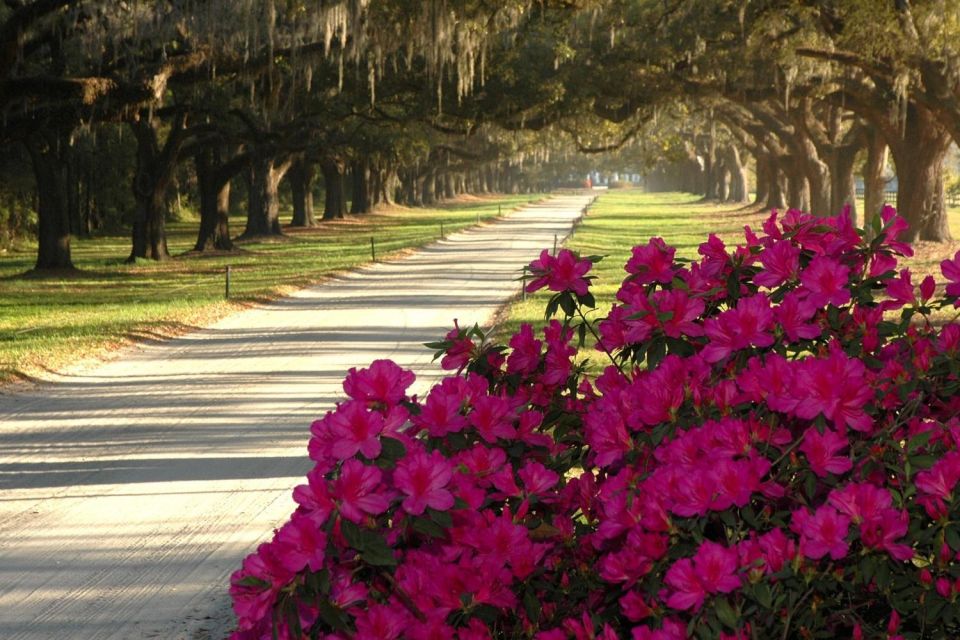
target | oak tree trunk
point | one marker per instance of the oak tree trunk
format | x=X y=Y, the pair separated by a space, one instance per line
x=360 y=202
x=874 y=185
x=301 y=188
x=919 y=157
x=53 y=228
x=151 y=180
x=334 y=204
x=843 y=187
x=798 y=190
x=214 y=188
x=263 y=212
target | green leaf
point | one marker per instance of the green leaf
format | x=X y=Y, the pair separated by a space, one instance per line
x=427 y=527
x=762 y=593
x=352 y=534
x=253 y=581
x=392 y=449
x=725 y=613
x=376 y=552
x=442 y=518
x=923 y=461
x=810 y=486
x=318 y=583
x=335 y=617
x=531 y=605
x=953 y=537
x=918 y=441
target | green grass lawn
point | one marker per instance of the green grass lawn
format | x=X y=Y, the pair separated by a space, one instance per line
x=48 y=322
x=621 y=219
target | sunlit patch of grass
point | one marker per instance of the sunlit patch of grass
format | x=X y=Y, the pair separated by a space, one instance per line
x=48 y=321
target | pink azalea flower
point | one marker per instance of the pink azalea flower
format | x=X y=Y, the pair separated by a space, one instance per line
x=671 y=629
x=356 y=491
x=634 y=607
x=777 y=550
x=314 y=497
x=676 y=313
x=895 y=226
x=525 y=357
x=504 y=481
x=860 y=501
x=459 y=351
x=883 y=531
x=900 y=290
x=537 y=479
x=434 y=628
x=940 y=480
x=881 y=263
x=949 y=340
x=928 y=286
x=493 y=417
x=715 y=256
x=823 y=533
x=655 y=395
x=383 y=382
x=440 y=414
x=607 y=435
x=835 y=386
x=781 y=262
x=625 y=566
x=300 y=544
x=747 y=324
x=826 y=281
x=355 y=428
x=694 y=493
x=254 y=586
x=482 y=461
x=381 y=622
x=793 y=314
x=822 y=449
x=475 y=630
x=563 y=272
x=716 y=568
x=652 y=263
x=712 y=570
x=423 y=479
x=344 y=592
x=951 y=271
x=686 y=590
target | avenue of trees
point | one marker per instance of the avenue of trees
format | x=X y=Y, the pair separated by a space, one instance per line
x=111 y=111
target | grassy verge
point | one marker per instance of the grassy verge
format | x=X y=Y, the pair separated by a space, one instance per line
x=49 y=322
x=621 y=219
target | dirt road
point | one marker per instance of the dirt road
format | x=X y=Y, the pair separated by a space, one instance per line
x=129 y=493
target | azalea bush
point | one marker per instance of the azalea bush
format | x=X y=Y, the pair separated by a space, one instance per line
x=770 y=450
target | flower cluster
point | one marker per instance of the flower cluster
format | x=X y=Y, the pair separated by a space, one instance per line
x=773 y=450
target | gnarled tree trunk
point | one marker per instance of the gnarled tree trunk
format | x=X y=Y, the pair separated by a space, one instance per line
x=53 y=228
x=737 y=190
x=919 y=157
x=154 y=173
x=213 y=181
x=263 y=213
x=874 y=185
x=301 y=188
x=335 y=202
x=360 y=187
x=843 y=187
